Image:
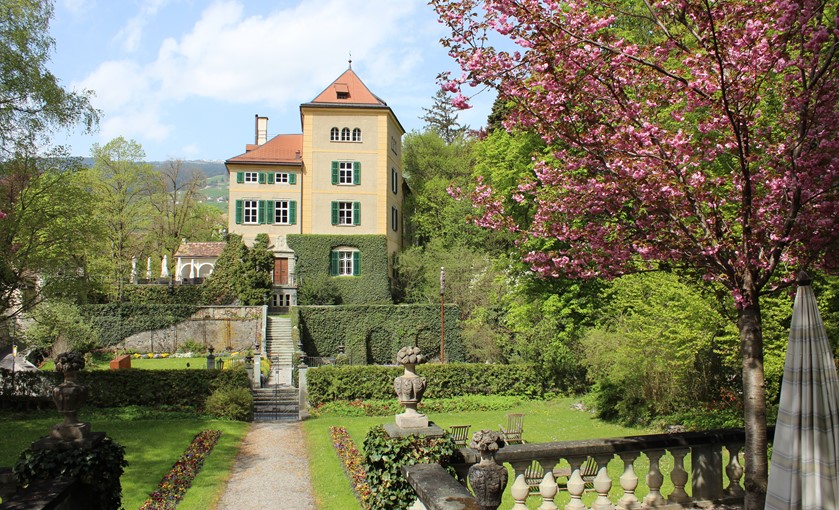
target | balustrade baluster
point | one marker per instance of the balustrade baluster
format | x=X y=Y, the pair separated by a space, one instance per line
x=654 y=479
x=603 y=483
x=679 y=477
x=734 y=470
x=548 y=488
x=520 y=490
x=576 y=486
x=629 y=482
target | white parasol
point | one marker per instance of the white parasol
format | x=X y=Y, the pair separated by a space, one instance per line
x=803 y=471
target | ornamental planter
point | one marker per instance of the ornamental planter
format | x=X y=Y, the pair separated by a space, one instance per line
x=409 y=388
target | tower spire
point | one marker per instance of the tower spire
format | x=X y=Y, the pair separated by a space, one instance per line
x=350 y=61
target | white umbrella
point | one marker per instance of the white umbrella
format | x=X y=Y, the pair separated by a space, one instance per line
x=803 y=472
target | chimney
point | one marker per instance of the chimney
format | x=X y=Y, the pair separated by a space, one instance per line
x=261 y=129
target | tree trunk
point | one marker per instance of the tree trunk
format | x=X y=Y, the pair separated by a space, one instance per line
x=754 y=405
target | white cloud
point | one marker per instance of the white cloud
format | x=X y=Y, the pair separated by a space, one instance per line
x=131 y=34
x=77 y=7
x=276 y=60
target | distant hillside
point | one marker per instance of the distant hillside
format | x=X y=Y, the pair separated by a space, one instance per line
x=210 y=168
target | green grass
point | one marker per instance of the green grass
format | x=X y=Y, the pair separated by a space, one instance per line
x=544 y=422
x=152 y=441
x=170 y=363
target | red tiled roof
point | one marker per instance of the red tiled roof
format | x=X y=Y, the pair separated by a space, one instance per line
x=350 y=84
x=280 y=149
x=200 y=250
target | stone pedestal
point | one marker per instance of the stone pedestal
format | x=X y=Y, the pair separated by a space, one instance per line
x=430 y=430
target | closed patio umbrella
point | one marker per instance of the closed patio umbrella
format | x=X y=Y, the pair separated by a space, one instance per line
x=803 y=471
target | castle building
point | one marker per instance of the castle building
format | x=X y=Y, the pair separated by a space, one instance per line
x=341 y=178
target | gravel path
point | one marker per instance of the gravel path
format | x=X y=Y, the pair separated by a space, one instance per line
x=271 y=471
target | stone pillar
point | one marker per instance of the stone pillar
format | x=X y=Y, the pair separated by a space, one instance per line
x=69 y=398
x=303 y=392
x=211 y=359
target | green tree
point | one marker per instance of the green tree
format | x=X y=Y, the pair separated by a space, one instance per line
x=48 y=231
x=59 y=326
x=220 y=287
x=441 y=118
x=253 y=284
x=32 y=102
x=122 y=183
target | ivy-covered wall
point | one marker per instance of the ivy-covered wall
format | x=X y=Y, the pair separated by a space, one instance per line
x=373 y=334
x=372 y=285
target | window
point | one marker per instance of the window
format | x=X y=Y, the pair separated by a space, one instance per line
x=285 y=212
x=346 y=172
x=394 y=219
x=333 y=135
x=252 y=212
x=346 y=213
x=394 y=181
x=251 y=209
x=345 y=262
x=281 y=300
x=284 y=178
x=356 y=135
x=343 y=95
x=345 y=135
x=251 y=177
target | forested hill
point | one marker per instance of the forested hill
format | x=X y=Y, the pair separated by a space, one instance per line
x=210 y=168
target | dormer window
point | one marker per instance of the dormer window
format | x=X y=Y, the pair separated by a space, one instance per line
x=343 y=95
x=342 y=91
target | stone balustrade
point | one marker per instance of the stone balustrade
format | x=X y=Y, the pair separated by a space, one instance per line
x=696 y=475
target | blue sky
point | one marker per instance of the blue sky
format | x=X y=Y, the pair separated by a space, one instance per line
x=185 y=78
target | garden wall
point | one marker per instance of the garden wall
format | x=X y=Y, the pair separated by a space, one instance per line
x=222 y=327
x=373 y=334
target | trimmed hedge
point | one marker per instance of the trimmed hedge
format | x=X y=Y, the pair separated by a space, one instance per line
x=372 y=285
x=161 y=295
x=330 y=383
x=117 y=388
x=117 y=321
x=373 y=334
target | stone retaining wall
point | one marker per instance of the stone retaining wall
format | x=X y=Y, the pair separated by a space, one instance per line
x=222 y=327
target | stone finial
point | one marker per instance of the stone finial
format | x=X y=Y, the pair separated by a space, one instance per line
x=409 y=388
x=487 y=478
x=410 y=356
x=69 y=398
x=69 y=362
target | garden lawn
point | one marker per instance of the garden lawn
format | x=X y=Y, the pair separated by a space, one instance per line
x=169 y=363
x=152 y=441
x=544 y=421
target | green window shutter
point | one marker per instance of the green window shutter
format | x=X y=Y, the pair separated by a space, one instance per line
x=270 y=177
x=356 y=263
x=334 y=213
x=271 y=212
x=240 y=211
x=356 y=213
x=334 y=172
x=333 y=264
x=292 y=178
x=240 y=177
x=260 y=211
x=292 y=212
x=356 y=172
x=261 y=177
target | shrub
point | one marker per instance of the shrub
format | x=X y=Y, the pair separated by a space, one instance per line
x=384 y=457
x=465 y=403
x=98 y=469
x=231 y=404
x=193 y=347
x=330 y=383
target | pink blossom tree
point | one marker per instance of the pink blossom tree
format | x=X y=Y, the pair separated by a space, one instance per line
x=698 y=134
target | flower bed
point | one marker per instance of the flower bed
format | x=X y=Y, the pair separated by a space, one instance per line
x=353 y=463
x=175 y=483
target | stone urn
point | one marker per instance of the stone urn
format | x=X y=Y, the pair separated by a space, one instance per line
x=409 y=388
x=487 y=478
x=69 y=396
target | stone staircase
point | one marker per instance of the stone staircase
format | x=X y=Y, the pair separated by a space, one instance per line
x=277 y=400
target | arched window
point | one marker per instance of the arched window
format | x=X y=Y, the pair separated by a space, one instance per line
x=345 y=135
x=356 y=135
x=333 y=135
